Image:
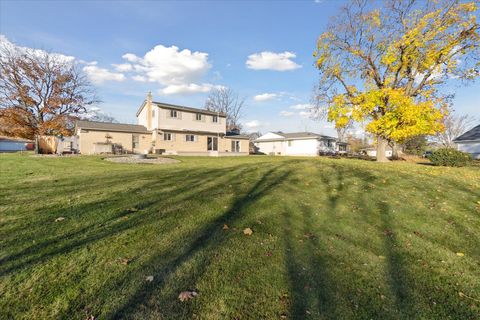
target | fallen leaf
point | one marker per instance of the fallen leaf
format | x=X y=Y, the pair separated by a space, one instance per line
x=225 y=227
x=125 y=261
x=59 y=219
x=187 y=295
x=460 y=254
x=149 y=278
x=247 y=232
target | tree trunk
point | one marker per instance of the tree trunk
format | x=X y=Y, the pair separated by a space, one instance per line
x=381 y=148
x=37 y=147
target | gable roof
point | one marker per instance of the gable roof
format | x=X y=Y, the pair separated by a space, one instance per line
x=181 y=108
x=473 y=134
x=108 y=126
x=296 y=136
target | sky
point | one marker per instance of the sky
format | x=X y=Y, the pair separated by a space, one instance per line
x=180 y=51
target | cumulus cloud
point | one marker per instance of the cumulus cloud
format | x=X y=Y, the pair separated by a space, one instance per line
x=285 y=113
x=8 y=45
x=187 y=88
x=253 y=124
x=301 y=106
x=177 y=71
x=267 y=60
x=100 y=75
x=305 y=114
x=123 y=67
x=265 y=97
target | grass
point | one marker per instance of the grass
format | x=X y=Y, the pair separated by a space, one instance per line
x=332 y=239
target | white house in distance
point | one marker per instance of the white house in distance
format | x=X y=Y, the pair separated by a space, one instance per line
x=469 y=142
x=298 y=144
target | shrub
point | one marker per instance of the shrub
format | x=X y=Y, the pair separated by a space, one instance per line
x=450 y=157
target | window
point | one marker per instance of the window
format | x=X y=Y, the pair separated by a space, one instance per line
x=212 y=143
x=153 y=113
x=190 y=137
x=135 y=141
x=235 y=146
x=214 y=118
x=173 y=113
x=167 y=136
x=329 y=143
x=198 y=117
x=289 y=143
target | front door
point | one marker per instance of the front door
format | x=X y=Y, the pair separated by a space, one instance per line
x=212 y=143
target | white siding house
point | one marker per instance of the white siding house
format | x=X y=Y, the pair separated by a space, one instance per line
x=295 y=144
x=469 y=142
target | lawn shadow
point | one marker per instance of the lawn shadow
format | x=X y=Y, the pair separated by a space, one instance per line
x=199 y=252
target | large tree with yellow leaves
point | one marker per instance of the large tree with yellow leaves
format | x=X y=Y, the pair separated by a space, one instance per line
x=386 y=66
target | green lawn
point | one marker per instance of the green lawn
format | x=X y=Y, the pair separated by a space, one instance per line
x=332 y=239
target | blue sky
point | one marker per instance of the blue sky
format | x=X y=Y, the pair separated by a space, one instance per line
x=180 y=50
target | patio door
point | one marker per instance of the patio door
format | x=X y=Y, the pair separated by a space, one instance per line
x=212 y=143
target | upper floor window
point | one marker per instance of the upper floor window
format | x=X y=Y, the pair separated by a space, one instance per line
x=173 y=114
x=198 y=117
x=167 y=136
x=190 y=137
x=214 y=118
x=153 y=113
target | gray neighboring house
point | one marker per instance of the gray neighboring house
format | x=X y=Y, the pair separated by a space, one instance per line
x=469 y=142
x=12 y=144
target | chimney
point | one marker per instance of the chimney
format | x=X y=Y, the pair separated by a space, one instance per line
x=149 y=110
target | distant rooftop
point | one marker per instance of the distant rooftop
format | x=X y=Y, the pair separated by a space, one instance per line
x=473 y=134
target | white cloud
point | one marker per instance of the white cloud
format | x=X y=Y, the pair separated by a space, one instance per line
x=305 y=114
x=123 y=67
x=265 y=97
x=253 y=124
x=301 y=106
x=267 y=60
x=5 y=43
x=139 y=78
x=287 y=113
x=100 y=75
x=177 y=71
x=187 y=88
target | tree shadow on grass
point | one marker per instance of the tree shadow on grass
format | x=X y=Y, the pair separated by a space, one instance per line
x=200 y=252
x=128 y=215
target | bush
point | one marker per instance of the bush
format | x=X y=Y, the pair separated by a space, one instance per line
x=450 y=157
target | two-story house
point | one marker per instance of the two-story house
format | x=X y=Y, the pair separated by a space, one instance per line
x=164 y=129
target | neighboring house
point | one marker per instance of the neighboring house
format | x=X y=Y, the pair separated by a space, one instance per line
x=12 y=144
x=469 y=142
x=165 y=129
x=372 y=152
x=296 y=144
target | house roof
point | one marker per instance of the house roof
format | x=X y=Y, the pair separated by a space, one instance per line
x=473 y=134
x=14 y=139
x=108 y=126
x=297 y=136
x=182 y=108
x=233 y=135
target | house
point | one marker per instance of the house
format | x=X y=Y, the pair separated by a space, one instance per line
x=297 y=144
x=164 y=129
x=469 y=142
x=12 y=144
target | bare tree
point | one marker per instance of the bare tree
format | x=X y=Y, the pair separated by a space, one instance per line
x=41 y=93
x=227 y=101
x=455 y=125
